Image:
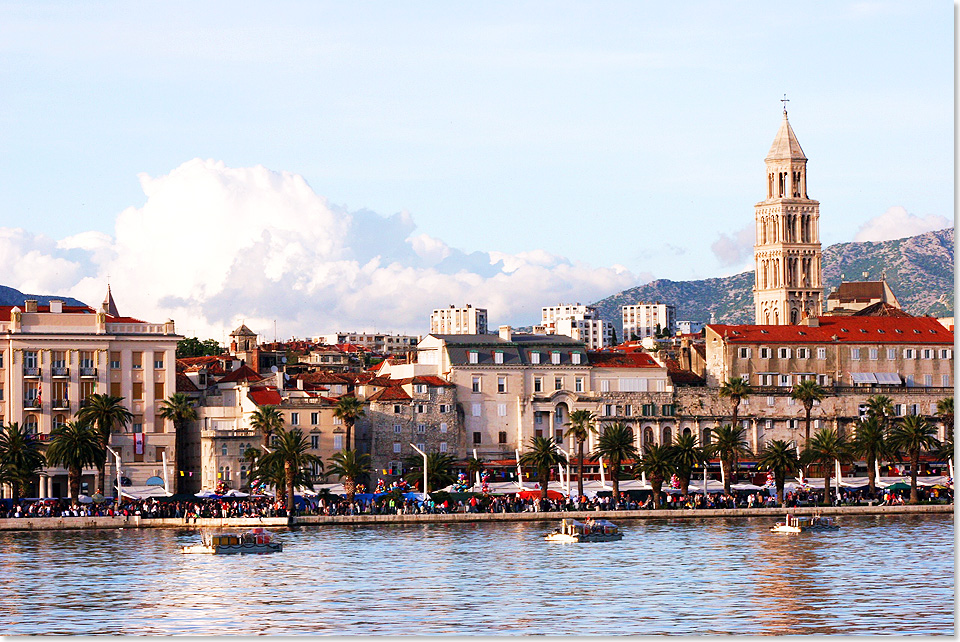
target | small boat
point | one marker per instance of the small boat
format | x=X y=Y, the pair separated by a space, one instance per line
x=255 y=541
x=593 y=530
x=795 y=524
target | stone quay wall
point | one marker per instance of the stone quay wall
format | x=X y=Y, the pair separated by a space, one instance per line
x=74 y=523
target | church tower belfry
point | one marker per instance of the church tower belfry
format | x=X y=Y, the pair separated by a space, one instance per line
x=787 y=255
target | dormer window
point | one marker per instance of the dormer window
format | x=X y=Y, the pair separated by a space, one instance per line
x=555 y=357
x=535 y=358
x=575 y=357
x=498 y=357
x=473 y=357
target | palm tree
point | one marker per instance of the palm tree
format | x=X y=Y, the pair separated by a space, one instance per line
x=807 y=392
x=945 y=452
x=945 y=412
x=20 y=458
x=291 y=454
x=736 y=389
x=881 y=407
x=781 y=459
x=616 y=445
x=179 y=409
x=475 y=466
x=729 y=446
x=686 y=455
x=581 y=425
x=348 y=409
x=350 y=466
x=824 y=448
x=439 y=470
x=658 y=464
x=542 y=456
x=268 y=420
x=913 y=435
x=104 y=412
x=74 y=446
x=870 y=442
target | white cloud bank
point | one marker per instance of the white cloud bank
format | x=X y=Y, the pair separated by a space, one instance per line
x=897 y=223
x=214 y=246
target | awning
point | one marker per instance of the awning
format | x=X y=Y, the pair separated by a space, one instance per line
x=888 y=378
x=863 y=377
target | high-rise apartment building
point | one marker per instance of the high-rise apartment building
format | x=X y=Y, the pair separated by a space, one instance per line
x=641 y=320
x=454 y=320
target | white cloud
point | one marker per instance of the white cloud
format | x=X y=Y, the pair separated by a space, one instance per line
x=735 y=249
x=897 y=223
x=213 y=246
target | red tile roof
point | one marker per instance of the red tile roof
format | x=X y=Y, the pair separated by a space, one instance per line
x=243 y=373
x=622 y=360
x=184 y=384
x=265 y=396
x=429 y=380
x=844 y=329
x=393 y=393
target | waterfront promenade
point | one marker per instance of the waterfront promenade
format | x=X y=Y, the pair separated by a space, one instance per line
x=132 y=521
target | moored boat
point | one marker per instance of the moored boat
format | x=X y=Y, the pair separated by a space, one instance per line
x=593 y=530
x=255 y=541
x=796 y=524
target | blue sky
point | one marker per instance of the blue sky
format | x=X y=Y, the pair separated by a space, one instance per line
x=598 y=144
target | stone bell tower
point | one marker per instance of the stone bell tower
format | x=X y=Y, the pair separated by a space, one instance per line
x=787 y=253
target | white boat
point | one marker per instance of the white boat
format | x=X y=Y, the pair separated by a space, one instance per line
x=593 y=530
x=255 y=541
x=795 y=524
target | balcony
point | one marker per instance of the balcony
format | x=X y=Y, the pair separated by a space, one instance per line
x=31 y=404
x=31 y=372
x=88 y=372
x=60 y=372
x=60 y=404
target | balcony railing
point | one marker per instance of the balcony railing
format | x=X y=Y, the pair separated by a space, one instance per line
x=31 y=404
x=88 y=372
x=31 y=372
x=57 y=371
x=60 y=404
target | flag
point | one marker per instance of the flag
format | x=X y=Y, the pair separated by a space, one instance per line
x=138 y=443
x=181 y=473
x=40 y=393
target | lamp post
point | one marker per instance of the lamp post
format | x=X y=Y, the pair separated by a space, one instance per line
x=425 y=490
x=119 y=492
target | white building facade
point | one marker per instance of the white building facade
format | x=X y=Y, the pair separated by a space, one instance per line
x=642 y=320
x=454 y=320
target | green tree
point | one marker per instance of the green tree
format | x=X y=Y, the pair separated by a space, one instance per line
x=348 y=409
x=686 y=455
x=880 y=407
x=808 y=392
x=913 y=435
x=945 y=412
x=581 y=425
x=781 y=459
x=826 y=447
x=617 y=447
x=291 y=454
x=74 y=446
x=475 y=466
x=736 y=389
x=350 y=467
x=659 y=464
x=104 y=412
x=728 y=444
x=178 y=408
x=945 y=452
x=267 y=420
x=542 y=456
x=439 y=470
x=20 y=458
x=870 y=442
x=194 y=347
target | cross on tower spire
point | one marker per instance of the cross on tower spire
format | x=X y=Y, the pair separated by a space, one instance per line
x=784 y=100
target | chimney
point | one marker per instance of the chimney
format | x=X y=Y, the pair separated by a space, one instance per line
x=30 y=305
x=506 y=333
x=56 y=306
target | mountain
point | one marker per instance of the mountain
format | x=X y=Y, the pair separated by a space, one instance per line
x=10 y=296
x=919 y=269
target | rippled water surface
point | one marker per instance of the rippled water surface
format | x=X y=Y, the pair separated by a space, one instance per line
x=884 y=575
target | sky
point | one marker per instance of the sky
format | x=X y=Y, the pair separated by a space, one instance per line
x=317 y=166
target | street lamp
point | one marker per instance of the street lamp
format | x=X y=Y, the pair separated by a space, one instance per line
x=119 y=492
x=425 y=491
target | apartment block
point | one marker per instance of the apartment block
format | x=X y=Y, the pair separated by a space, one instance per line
x=454 y=320
x=641 y=320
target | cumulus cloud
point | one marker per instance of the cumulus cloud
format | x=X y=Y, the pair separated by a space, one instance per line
x=735 y=249
x=897 y=223
x=213 y=246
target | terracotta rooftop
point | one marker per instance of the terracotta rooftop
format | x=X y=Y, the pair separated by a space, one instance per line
x=243 y=373
x=622 y=360
x=844 y=329
x=265 y=396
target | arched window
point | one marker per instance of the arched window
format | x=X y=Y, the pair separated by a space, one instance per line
x=59 y=421
x=687 y=432
x=667 y=436
x=706 y=437
x=647 y=435
x=30 y=424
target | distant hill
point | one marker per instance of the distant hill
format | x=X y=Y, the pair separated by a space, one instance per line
x=919 y=269
x=11 y=296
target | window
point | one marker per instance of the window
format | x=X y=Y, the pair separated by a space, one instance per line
x=114 y=360
x=927 y=353
x=420 y=388
x=786 y=380
x=157 y=391
x=314 y=418
x=476 y=437
x=927 y=380
x=765 y=353
x=803 y=353
x=421 y=408
x=944 y=381
x=765 y=379
x=535 y=358
x=502 y=437
x=158 y=361
x=555 y=357
x=891 y=353
x=823 y=380
x=443 y=446
x=443 y=427
x=476 y=384
x=501 y=384
x=476 y=410
x=821 y=353
x=502 y=410
x=743 y=353
x=397 y=428
x=558 y=383
x=294 y=418
x=422 y=446
x=608 y=410
x=649 y=410
x=338 y=442
x=771 y=401
x=473 y=356
x=137 y=390
x=223 y=450
x=604 y=385
x=444 y=408
x=575 y=357
x=30 y=359
x=421 y=428
x=498 y=357
x=538 y=384
x=628 y=410
x=578 y=384
x=337 y=421
x=855 y=353
x=136 y=360
x=537 y=418
x=909 y=381
x=669 y=410
x=874 y=354
x=314 y=441
x=396 y=446
x=783 y=353
x=909 y=353
x=944 y=354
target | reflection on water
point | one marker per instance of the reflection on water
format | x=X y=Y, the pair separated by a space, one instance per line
x=888 y=575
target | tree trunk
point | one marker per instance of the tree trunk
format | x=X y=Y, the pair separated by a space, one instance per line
x=826 y=484
x=727 y=475
x=74 y=478
x=685 y=484
x=580 y=471
x=288 y=472
x=349 y=488
x=348 y=445
x=615 y=474
x=779 y=480
x=736 y=412
x=914 y=465
x=806 y=435
x=872 y=475
x=544 y=482
x=656 y=484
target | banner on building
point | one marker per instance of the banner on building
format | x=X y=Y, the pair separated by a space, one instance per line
x=138 y=443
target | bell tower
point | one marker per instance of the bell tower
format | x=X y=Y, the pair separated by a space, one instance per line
x=787 y=255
